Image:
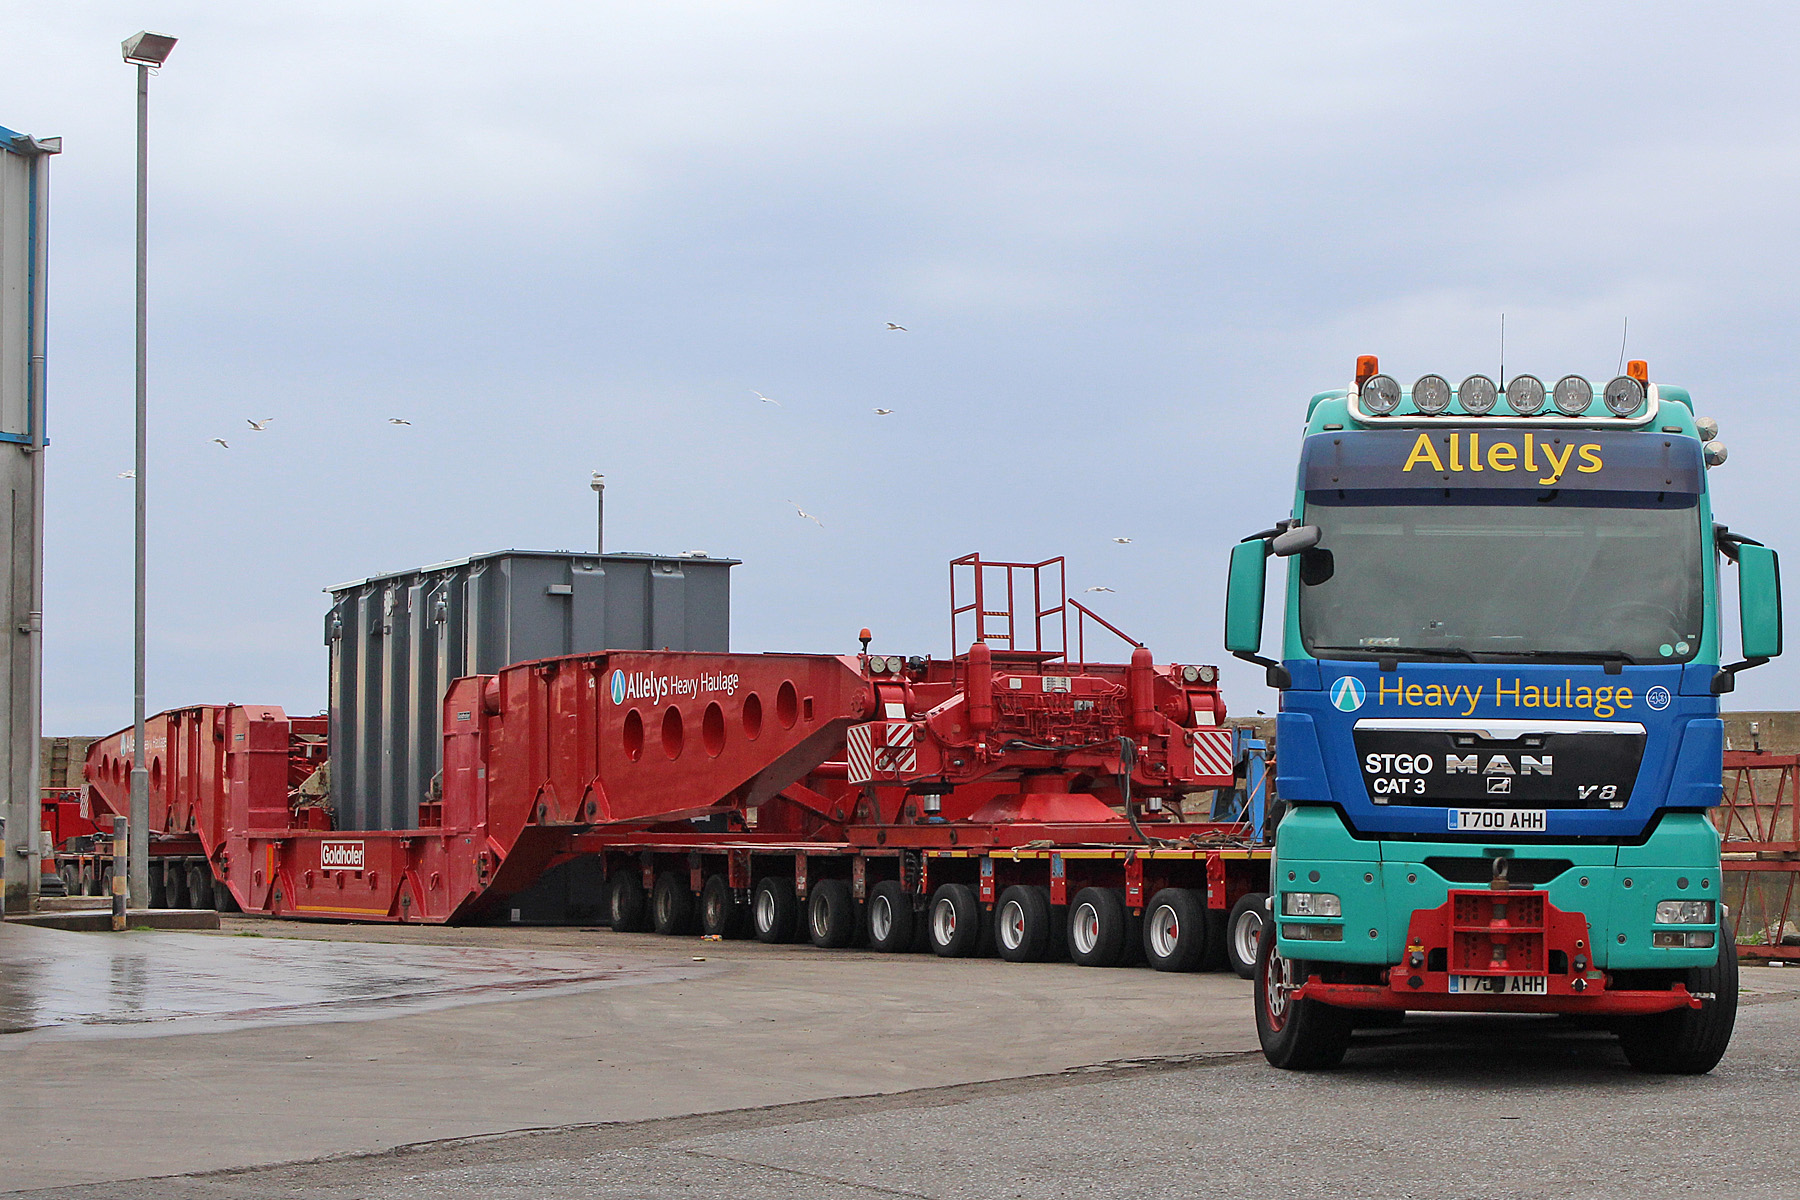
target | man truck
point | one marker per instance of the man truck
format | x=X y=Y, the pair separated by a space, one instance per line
x=1499 y=731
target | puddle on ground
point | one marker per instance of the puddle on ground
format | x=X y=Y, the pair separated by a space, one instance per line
x=59 y=984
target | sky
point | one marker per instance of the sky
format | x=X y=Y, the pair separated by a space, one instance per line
x=1127 y=243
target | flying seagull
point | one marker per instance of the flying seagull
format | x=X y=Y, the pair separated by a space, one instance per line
x=1123 y=541
x=765 y=399
x=259 y=426
x=398 y=421
x=223 y=442
x=893 y=328
x=127 y=474
x=884 y=412
x=807 y=515
x=1099 y=589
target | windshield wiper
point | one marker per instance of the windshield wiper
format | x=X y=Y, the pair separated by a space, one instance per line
x=1599 y=656
x=1456 y=652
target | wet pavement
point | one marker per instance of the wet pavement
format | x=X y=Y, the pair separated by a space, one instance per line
x=59 y=984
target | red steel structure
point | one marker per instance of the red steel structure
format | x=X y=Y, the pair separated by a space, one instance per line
x=730 y=790
x=1759 y=823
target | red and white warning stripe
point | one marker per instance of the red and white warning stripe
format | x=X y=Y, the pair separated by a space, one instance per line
x=1212 y=751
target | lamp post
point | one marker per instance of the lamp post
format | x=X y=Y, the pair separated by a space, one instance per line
x=143 y=50
x=598 y=483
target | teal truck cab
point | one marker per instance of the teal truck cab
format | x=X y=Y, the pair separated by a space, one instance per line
x=1499 y=729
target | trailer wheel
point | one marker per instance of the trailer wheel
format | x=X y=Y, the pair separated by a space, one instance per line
x=103 y=877
x=159 y=891
x=890 y=918
x=626 y=905
x=955 y=921
x=1296 y=1035
x=777 y=910
x=1175 y=930
x=1243 y=932
x=71 y=878
x=199 y=885
x=175 y=885
x=1025 y=925
x=672 y=905
x=223 y=899
x=89 y=886
x=831 y=914
x=1099 y=928
x=1689 y=1041
x=721 y=916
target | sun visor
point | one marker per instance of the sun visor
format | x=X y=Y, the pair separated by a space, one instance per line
x=1510 y=458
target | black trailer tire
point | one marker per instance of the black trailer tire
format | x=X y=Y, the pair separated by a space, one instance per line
x=954 y=920
x=159 y=888
x=890 y=915
x=103 y=878
x=1099 y=928
x=223 y=899
x=174 y=883
x=777 y=910
x=831 y=914
x=199 y=885
x=721 y=916
x=1296 y=1035
x=1217 y=957
x=90 y=886
x=627 y=908
x=672 y=905
x=71 y=877
x=1025 y=924
x=1689 y=1041
x=1243 y=932
x=1175 y=930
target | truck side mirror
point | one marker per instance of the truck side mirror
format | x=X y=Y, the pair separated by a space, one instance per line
x=1244 y=606
x=1759 y=601
x=1759 y=608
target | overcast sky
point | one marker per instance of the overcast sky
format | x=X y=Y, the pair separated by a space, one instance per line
x=1127 y=242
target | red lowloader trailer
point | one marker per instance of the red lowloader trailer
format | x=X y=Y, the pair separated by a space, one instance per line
x=1014 y=798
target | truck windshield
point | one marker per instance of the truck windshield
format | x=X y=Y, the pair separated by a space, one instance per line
x=1490 y=576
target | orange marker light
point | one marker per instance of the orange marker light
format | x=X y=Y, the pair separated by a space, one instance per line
x=1367 y=367
x=1639 y=370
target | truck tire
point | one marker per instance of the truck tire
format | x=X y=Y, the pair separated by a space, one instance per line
x=90 y=885
x=831 y=914
x=159 y=890
x=890 y=918
x=103 y=878
x=1689 y=1041
x=776 y=909
x=71 y=877
x=1243 y=932
x=955 y=921
x=1025 y=924
x=1216 y=958
x=1099 y=928
x=721 y=916
x=223 y=899
x=174 y=883
x=1296 y=1035
x=1175 y=930
x=627 y=909
x=672 y=905
x=199 y=885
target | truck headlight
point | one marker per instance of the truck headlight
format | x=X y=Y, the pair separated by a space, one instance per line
x=1573 y=394
x=1311 y=904
x=1380 y=395
x=1525 y=394
x=1684 y=912
x=1478 y=395
x=1696 y=939
x=1296 y=932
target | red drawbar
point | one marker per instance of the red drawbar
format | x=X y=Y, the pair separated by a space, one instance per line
x=1499 y=935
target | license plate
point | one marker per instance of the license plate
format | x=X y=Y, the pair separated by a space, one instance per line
x=1500 y=985
x=1499 y=820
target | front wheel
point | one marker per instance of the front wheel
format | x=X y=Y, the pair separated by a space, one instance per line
x=1296 y=1034
x=1689 y=1041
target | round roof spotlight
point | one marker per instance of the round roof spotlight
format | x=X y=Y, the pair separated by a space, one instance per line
x=1431 y=395
x=1573 y=394
x=1714 y=452
x=1624 y=396
x=1478 y=395
x=1525 y=395
x=1380 y=395
x=1191 y=674
x=1707 y=428
x=1208 y=674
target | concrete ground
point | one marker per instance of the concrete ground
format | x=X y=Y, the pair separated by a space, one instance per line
x=787 y=1071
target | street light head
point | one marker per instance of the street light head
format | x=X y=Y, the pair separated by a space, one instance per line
x=146 y=49
x=598 y=482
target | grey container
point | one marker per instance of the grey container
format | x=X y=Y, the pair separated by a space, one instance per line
x=398 y=641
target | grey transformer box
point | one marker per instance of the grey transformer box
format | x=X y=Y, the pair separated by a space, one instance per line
x=398 y=641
